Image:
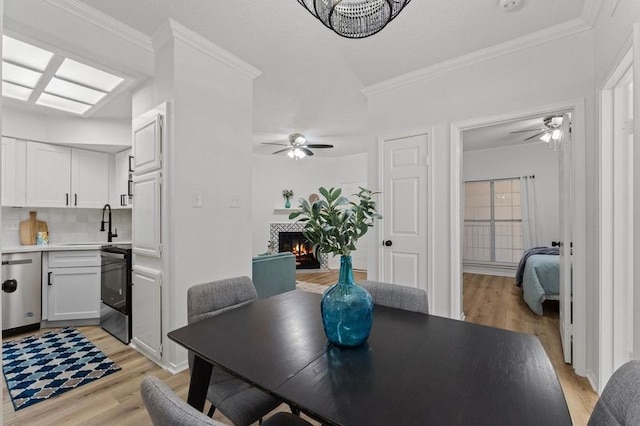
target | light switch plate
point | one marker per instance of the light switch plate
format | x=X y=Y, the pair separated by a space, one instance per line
x=196 y=199
x=234 y=201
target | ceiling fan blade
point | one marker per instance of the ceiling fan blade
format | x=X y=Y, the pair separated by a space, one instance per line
x=535 y=136
x=528 y=130
x=306 y=151
x=318 y=145
x=282 y=150
x=274 y=143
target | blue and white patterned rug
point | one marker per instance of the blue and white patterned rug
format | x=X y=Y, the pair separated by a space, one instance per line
x=42 y=366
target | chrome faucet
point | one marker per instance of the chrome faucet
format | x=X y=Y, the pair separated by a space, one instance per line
x=110 y=234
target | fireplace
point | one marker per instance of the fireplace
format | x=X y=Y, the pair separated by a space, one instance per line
x=300 y=247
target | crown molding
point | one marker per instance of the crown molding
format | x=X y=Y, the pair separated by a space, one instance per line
x=173 y=29
x=591 y=10
x=105 y=22
x=547 y=35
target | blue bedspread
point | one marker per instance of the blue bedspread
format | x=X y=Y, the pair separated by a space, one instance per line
x=541 y=279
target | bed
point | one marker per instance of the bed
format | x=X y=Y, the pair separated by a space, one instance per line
x=539 y=275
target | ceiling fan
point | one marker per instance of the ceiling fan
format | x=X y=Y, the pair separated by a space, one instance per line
x=550 y=131
x=298 y=146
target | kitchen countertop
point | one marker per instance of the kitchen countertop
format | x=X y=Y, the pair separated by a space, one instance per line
x=96 y=245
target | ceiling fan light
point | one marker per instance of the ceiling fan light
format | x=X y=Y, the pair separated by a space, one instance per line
x=546 y=137
x=290 y=153
x=298 y=153
x=556 y=134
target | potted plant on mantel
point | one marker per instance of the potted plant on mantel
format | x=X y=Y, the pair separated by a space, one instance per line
x=333 y=224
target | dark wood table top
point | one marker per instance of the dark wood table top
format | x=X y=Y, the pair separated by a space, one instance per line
x=414 y=370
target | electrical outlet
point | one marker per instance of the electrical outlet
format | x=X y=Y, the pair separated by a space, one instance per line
x=234 y=201
x=196 y=199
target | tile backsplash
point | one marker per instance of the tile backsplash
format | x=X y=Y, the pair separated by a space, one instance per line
x=66 y=225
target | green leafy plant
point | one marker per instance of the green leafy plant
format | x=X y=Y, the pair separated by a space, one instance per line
x=334 y=224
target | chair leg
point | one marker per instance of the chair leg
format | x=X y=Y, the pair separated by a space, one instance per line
x=294 y=410
x=212 y=410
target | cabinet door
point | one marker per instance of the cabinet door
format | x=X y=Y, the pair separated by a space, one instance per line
x=146 y=311
x=14 y=172
x=48 y=183
x=73 y=293
x=123 y=189
x=147 y=145
x=147 y=239
x=89 y=178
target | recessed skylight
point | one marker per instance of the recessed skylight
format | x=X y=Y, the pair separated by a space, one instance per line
x=73 y=91
x=25 y=54
x=61 y=103
x=19 y=75
x=15 y=91
x=88 y=76
x=66 y=84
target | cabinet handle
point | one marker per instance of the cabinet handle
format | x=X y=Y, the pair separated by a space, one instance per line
x=66 y=203
x=75 y=199
x=49 y=278
x=131 y=163
x=130 y=188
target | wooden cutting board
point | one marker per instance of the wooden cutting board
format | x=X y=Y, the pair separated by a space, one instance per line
x=30 y=228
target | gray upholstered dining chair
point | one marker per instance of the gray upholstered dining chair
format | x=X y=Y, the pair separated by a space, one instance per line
x=166 y=409
x=240 y=402
x=619 y=404
x=398 y=296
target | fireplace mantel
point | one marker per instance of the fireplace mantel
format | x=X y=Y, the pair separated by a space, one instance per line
x=286 y=211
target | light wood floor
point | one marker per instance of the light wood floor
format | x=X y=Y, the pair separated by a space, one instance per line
x=115 y=399
x=498 y=302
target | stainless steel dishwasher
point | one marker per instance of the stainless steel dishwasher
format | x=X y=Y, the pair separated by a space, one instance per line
x=22 y=292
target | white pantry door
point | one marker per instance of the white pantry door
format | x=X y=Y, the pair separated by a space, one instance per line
x=566 y=231
x=404 y=201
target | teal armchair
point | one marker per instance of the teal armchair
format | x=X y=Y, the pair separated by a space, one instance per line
x=274 y=274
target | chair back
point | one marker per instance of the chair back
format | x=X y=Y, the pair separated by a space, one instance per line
x=165 y=408
x=398 y=296
x=209 y=299
x=619 y=403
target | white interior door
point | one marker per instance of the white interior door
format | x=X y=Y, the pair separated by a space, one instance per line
x=566 y=231
x=404 y=201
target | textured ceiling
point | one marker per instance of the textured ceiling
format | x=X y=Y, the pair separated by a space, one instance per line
x=312 y=79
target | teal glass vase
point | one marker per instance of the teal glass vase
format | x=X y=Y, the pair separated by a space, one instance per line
x=287 y=203
x=347 y=309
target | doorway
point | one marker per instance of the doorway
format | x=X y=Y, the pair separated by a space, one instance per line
x=576 y=218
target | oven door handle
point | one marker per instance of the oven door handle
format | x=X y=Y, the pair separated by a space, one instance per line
x=112 y=255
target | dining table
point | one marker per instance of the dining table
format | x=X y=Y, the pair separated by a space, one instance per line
x=414 y=369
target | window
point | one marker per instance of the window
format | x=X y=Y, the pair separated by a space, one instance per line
x=493 y=221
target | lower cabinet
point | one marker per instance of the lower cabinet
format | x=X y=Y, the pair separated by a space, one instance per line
x=73 y=285
x=146 y=307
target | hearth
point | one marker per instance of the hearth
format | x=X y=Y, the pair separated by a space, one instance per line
x=300 y=247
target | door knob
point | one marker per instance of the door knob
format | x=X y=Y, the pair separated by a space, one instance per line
x=556 y=243
x=9 y=286
x=388 y=243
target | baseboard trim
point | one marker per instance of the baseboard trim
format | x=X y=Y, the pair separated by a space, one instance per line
x=499 y=271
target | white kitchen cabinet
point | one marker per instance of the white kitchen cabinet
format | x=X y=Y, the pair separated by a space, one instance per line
x=73 y=285
x=58 y=176
x=48 y=175
x=122 y=193
x=147 y=145
x=147 y=236
x=89 y=178
x=146 y=305
x=14 y=174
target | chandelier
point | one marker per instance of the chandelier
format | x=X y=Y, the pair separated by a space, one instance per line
x=355 y=18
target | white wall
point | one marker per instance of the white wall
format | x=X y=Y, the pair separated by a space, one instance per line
x=272 y=174
x=514 y=161
x=500 y=85
x=613 y=32
x=64 y=129
x=208 y=151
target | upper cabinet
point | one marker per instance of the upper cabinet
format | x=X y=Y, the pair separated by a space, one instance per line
x=147 y=146
x=14 y=174
x=121 y=193
x=59 y=176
